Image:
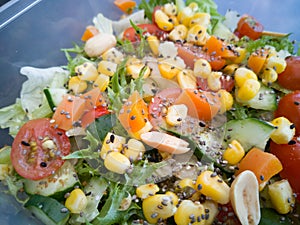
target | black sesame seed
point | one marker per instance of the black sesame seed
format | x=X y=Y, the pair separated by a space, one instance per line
x=132 y=117
x=292 y=126
x=291 y=142
x=25 y=143
x=43 y=164
x=261 y=177
x=199 y=187
x=202 y=124
x=112 y=138
x=297 y=103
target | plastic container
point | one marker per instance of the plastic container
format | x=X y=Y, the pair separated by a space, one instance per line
x=33 y=32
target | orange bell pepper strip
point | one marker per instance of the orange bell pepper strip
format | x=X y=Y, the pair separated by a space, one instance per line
x=126 y=6
x=257 y=60
x=90 y=31
x=263 y=164
x=203 y=105
x=216 y=47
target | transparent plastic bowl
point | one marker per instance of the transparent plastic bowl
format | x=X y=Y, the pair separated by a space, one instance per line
x=33 y=32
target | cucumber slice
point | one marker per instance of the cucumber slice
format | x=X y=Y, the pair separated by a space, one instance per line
x=56 y=185
x=265 y=99
x=54 y=96
x=249 y=132
x=221 y=31
x=94 y=190
x=48 y=210
x=5 y=155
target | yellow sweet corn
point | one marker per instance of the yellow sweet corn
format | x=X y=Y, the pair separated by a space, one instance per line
x=170 y=9
x=116 y=162
x=202 y=68
x=77 y=201
x=269 y=76
x=185 y=182
x=277 y=63
x=101 y=82
x=226 y=100
x=242 y=74
x=194 y=6
x=173 y=196
x=174 y=20
x=212 y=209
x=146 y=190
x=106 y=67
x=211 y=185
x=284 y=132
x=190 y=212
x=158 y=207
x=179 y=33
x=163 y=21
x=234 y=152
x=281 y=196
x=241 y=55
x=168 y=70
x=134 y=70
x=134 y=149
x=230 y=69
x=184 y=16
x=153 y=44
x=186 y=79
x=86 y=71
x=213 y=81
x=197 y=35
x=77 y=85
x=113 y=55
x=176 y=114
x=200 y=18
x=112 y=142
x=248 y=90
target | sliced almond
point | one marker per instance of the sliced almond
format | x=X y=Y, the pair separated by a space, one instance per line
x=165 y=142
x=244 y=197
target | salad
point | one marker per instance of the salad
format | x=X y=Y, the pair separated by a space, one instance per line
x=175 y=114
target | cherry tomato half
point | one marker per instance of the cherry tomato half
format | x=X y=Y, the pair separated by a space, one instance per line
x=226 y=215
x=290 y=77
x=289 y=156
x=289 y=107
x=38 y=149
x=152 y=29
x=249 y=26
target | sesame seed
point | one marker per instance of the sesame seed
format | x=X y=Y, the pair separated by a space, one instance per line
x=261 y=177
x=291 y=142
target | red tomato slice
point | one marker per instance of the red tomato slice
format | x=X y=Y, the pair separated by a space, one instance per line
x=152 y=29
x=190 y=54
x=289 y=107
x=226 y=215
x=29 y=155
x=290 y=77
x=92 y=114
x=249 y=26
x=289 y=156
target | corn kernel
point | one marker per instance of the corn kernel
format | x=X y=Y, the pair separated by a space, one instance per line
x=77 y=85
x=211 y=185
x=242 y=74
x=186 y=79
x=101 y=82
x=134 y=149
x=186 y=182
x=146 y=190
x=197 y=35
x=200 y=18
x=241 y=55
x=188 y=212
x=112 y=142
x=285 y=130
x=174 y=20
x=185 y=15
x=158 y=207
x=167 y=70
x=113 y=55
x=248 y=90
x=202 y=68
x=269 y=76
x=212 y=209
x=176 y=114
x=162 y=20
x=277 y=63
x=234 y=152
x=179 y=33
x=230 y=69
x=116 y=162
x=77 y=201
x=226 y=100
x=153 y=44
x=86 y=71
x=170 y=9
x=213 y=81
x=281 y=195
x=134 y=70
x=106 y=67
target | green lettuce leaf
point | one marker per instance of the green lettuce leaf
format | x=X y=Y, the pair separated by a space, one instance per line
x=148 y=6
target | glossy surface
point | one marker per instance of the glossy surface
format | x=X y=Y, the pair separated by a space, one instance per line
x=33 y=32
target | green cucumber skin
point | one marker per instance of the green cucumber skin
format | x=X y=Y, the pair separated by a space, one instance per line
x=48 y=210
x=55 y=186
x=249 y=132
